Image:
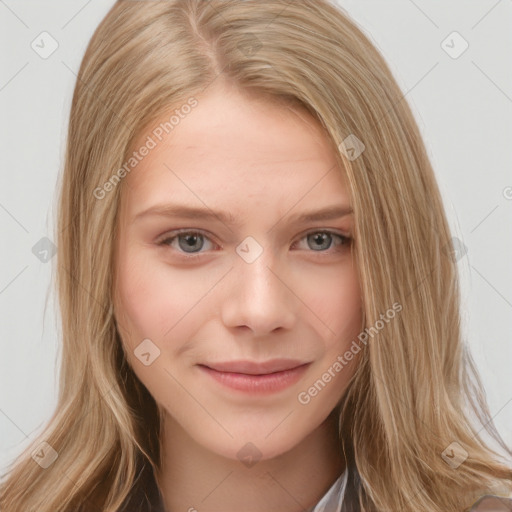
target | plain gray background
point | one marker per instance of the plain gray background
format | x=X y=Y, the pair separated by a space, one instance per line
x=463 y=106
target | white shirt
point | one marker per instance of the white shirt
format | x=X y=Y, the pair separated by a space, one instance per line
x=333 y=499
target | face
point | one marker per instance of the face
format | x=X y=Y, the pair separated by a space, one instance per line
x=224 y=255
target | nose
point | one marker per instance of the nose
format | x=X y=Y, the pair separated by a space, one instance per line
x=257 y=296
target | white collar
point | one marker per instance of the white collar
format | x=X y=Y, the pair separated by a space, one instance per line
x=333 y=499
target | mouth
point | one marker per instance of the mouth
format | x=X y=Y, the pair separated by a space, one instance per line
x=254 y=367
x=256 y=378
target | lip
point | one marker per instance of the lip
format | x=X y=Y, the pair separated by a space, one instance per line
x=250 y=381
x=254 y=367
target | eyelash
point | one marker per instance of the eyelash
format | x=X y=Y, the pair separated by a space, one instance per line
x=167 y=240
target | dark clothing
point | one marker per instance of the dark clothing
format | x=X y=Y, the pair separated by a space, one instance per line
x=146 y=496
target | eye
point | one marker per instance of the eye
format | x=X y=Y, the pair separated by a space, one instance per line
x=188 y=242
x=320 y=241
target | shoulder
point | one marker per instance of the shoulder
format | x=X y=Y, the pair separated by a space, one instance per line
x=492 y=503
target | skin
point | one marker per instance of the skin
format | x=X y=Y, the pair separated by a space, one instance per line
x=263 y=163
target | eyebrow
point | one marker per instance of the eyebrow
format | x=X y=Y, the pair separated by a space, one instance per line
x=188 y=212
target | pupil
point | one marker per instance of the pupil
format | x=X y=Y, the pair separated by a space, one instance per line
x=321 y=238
x=191 y=240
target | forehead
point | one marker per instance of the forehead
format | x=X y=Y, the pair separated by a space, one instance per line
x=234 y=145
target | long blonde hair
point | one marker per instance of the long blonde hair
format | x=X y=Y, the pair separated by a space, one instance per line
x=416 y=385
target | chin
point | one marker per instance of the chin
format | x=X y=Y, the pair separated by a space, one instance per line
x=253 y=445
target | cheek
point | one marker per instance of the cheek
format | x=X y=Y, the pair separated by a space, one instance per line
x=347 y=317
x=337 y=302
x=334 y=298
x=135 y=308
x=147 y=298
x=155 y=300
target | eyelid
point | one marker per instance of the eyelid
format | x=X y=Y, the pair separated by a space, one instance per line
x=171 y=235
x=175 y=232
x=332 y=231
x=347 y=238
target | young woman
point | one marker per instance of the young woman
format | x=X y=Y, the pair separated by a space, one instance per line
x=259 y=295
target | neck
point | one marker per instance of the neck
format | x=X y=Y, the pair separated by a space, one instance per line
x=192 y=477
